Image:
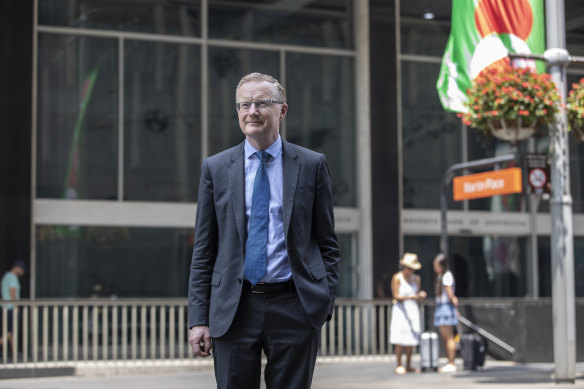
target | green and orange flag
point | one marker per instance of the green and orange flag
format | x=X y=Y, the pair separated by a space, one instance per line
x=483 y=32
x=72 y=185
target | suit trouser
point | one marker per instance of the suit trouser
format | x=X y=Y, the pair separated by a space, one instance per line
x=277 y=324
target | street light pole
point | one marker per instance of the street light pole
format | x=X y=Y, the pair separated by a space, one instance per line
x=562 y=242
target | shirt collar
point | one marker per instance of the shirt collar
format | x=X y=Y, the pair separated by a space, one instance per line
x=274 y=150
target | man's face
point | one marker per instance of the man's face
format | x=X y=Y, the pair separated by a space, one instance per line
x=264 y=123
x=19 y=271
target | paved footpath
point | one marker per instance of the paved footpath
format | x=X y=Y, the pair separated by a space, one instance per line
x=345 y=373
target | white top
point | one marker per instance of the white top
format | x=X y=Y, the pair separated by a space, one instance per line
x=406 y=289
x=447 y=280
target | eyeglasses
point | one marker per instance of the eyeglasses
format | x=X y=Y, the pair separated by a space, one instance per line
x=259 y=104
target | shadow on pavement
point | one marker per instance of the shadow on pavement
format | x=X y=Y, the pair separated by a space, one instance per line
x=512 y=375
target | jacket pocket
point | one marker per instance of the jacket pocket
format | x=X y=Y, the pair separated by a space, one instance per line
x=216 y=279
x=318 y=271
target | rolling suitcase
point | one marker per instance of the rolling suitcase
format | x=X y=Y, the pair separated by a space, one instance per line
x=429 y=351
x=473 y=349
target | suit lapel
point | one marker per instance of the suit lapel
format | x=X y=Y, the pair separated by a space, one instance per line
x=290 y=170
x=237 y=191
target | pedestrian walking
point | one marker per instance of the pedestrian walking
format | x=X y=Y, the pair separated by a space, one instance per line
x=10 y=286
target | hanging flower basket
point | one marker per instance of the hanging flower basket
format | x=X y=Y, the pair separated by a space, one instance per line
x=575 y=108
x=511 y=130
x=510 y=104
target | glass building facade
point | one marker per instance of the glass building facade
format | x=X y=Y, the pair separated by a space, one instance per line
x=131 y=96
x=127 y=98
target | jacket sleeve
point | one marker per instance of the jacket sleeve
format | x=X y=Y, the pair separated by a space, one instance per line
x=324 y=228
x=204 y=252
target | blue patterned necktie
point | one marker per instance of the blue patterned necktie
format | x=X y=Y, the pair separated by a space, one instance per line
x=254 y=267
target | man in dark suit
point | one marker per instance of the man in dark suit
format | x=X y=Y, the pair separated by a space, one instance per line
x=264 y=270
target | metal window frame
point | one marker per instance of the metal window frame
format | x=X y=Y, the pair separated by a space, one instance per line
x=349 y=220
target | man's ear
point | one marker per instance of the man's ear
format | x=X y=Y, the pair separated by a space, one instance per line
x=283 y=111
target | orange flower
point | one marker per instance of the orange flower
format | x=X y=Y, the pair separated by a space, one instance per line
x=511 y=93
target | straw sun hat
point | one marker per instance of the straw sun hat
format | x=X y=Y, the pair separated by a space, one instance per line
x=410 y=260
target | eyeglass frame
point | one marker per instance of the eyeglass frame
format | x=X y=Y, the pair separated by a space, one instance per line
x=268 y=101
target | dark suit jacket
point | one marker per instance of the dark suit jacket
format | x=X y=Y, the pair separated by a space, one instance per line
x=216 y=275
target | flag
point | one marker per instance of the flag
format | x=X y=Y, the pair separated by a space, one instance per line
x=482 y=33
x=72 y=176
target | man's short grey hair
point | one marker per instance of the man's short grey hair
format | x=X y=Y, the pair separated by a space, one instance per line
x=258 y=77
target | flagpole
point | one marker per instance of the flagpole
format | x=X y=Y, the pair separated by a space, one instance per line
x=562 y=242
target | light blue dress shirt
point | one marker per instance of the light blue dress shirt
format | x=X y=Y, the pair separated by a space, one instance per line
x=278 y=266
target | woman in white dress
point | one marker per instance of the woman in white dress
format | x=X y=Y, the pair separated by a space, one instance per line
x=405 y=328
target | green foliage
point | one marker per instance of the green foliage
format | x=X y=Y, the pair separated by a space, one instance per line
x=503 y=92
x=575 y=106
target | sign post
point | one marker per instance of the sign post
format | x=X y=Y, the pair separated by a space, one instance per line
x=498 y=182
x=538 y=173
x=478 y=164
x=562 y=243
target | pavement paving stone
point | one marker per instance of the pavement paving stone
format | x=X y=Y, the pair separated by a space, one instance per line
x=330 y=373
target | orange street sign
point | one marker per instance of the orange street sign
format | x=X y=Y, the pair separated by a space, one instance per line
x=497 y=182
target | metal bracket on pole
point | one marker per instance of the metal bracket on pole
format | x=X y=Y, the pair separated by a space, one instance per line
x=552 y=57
x=478 y=164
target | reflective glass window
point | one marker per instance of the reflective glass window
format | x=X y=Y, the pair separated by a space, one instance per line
x=579 y=266
x=545 y=267
x=573 y=10
x=322 y=23
x=162 y=121
x=348 y=279
x=431 y=137
x=112 y=261
x=177 y=17
x=577 y=176
x=425 y=26
x=226 y=67
x=482 y=266
x=321 y=115
x=77 y=145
